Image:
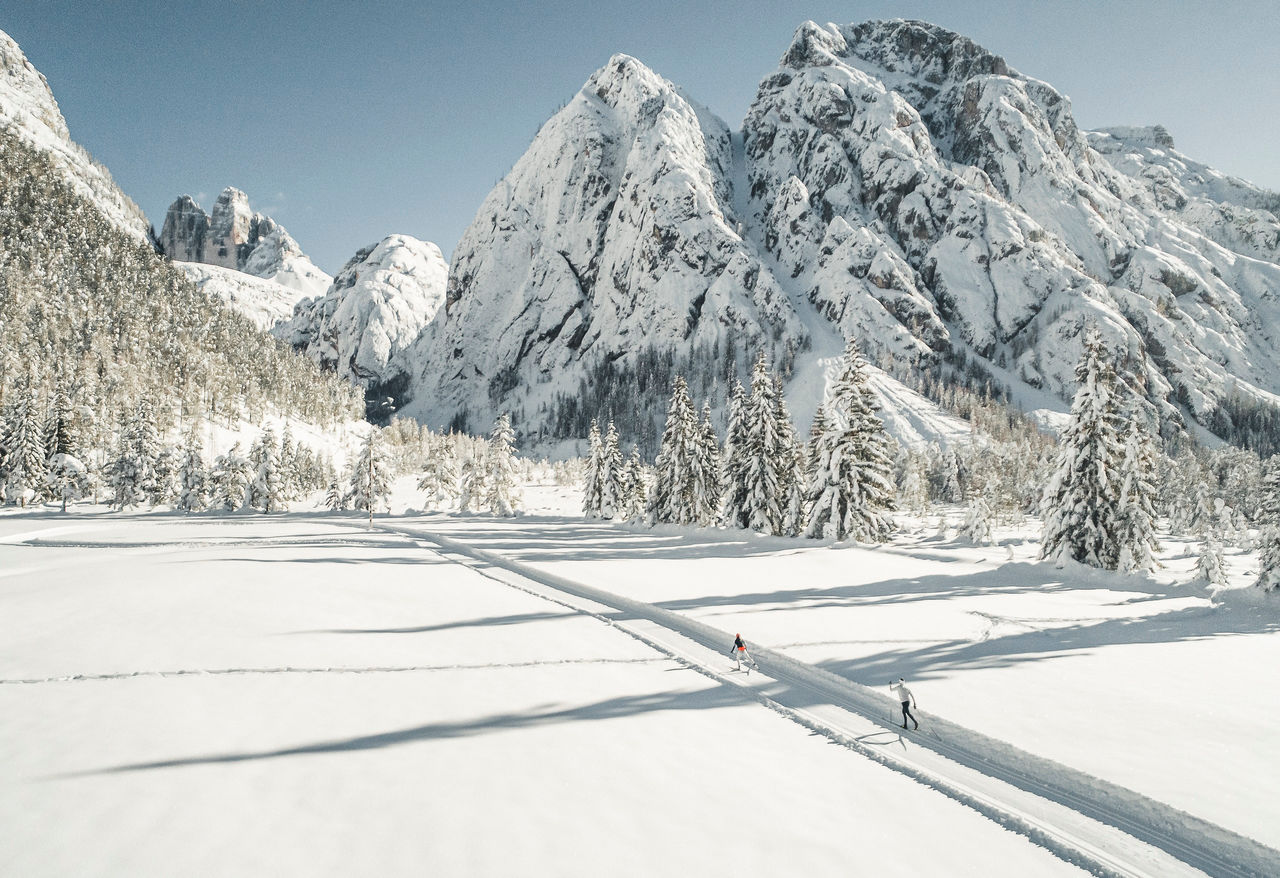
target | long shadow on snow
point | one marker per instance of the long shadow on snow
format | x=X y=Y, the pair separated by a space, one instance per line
x=613 y=708
x=936 y=659
x=488 y=622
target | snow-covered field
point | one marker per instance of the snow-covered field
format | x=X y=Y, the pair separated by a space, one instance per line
x=296 y=694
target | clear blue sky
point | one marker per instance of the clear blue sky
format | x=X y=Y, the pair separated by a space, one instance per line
x=350 y=121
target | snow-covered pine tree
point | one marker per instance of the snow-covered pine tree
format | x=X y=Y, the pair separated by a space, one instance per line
x=671 y=500
x=635 y=493
x=1136 y=515
x=1211 y=565
x=610 y=474
x=1269 y=528
x=915 y=490
x=766 y=462
x=852 y=495
x=230 y=480
x=439 y=479
x=502 y=493
x=471 y=487
x=335 y=497
x=707 y=485
x=68 y=479
x=1080 y=502
x=370 y=476
x=24 y=457
x=733 y=509
x=593 y=477
x=288 y=463
x=977 y=522
x=61 y=429
x=793 y=470
x=193 y=478
x=267 y=491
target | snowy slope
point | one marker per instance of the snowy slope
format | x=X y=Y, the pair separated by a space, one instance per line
x=27 y=106
x=893 y=182
x=378 y=304
x=238 y=238
x=265 y=302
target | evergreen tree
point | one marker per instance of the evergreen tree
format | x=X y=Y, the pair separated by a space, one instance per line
x=267 y=490
x=634 y=492
x=792 y=473
x=193 y=478
x=471 y=484
x=68 y=479
x=610 y=474
x=24 y=457
x=671 y=500
x=1136 y=513
x=61 y=431
x=977 y=522
x=734 y=511
x=593 y=478
x=706 y=472
x=766 y=461
x=1211 y=566
x=1081 y=500
x=1269 y=528
x=370 y=475
x=501 y=490
x=230 y=480
x=335 y=497
x=852 y=494
x=439 y=479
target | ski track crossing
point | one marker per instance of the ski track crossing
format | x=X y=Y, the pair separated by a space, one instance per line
x=1099 y=826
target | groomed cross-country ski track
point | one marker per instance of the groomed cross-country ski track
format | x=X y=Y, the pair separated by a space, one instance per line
x=1102 y=827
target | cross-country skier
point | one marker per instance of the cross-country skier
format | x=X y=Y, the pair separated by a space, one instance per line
x=740 y=654
x=908 y=701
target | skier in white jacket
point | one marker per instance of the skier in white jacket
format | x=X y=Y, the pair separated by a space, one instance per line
x=908 y=701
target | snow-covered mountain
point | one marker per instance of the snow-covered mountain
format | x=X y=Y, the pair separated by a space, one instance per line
x=376 y=306
x=616 y=231
x=893 y=181
x=28 y=108
x=236 y=237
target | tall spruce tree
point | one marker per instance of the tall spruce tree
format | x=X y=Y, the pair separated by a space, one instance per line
x=1269 y=528
x=23 y=462
x=1081 y=501
x=370 y=476
x=593 y=476
x=193 y=478
x=707 y=484
x=501 y=489
x=851 y=495
x=766 y=461
x=671 y=500
x=734 y=512
x=1136 y=513
x=610 y=474
x=635 y=493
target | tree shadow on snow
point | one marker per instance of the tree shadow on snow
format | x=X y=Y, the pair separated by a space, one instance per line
x=613 y=708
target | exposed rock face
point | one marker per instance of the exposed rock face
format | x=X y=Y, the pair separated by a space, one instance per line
x=379 y=303
x=237 y=238
x=28 y=107
x=614 y=232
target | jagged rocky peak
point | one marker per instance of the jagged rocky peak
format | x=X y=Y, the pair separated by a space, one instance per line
x=236 y=237
x=377 y=305
x=27 y=106
x=613 y=233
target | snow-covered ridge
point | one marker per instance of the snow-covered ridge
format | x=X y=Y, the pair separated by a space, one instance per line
x=27 y=106
x=894 y=182
x=265 y=302
x=378 y=304
x=238 y=238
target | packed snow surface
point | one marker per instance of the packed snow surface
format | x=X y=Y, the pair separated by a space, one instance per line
x=265 y=302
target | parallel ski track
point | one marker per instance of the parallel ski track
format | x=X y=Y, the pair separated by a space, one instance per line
x=1198 y=843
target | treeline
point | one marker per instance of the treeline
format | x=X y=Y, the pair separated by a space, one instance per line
x=91 y=316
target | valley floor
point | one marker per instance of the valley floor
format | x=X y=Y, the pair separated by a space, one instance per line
x=297 y=694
